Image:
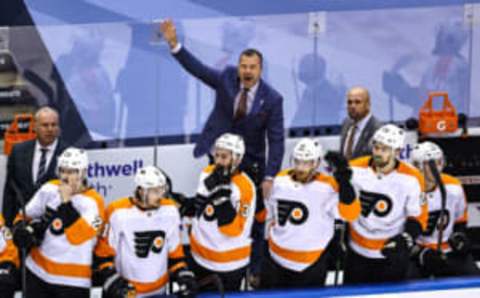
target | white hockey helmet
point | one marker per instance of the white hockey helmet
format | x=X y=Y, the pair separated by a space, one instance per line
x=73 y=158
x=150 y=177
x=426 y=151
x=390 y=135
x=307 y=149
x=233 y=143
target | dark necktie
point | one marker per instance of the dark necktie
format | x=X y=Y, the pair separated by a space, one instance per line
x=43 y=163
x=349 y=143
x=242 y=105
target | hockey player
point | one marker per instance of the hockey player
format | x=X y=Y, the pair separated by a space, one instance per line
x=140 y=249
x=62 y=222
x=393 y=213
x=453 y=257
x=9 y=262
x=225 y=205
x=301 y=215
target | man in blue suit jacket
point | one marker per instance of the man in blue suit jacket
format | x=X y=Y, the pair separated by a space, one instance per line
x=257 y=119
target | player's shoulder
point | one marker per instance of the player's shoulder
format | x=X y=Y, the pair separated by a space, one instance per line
x=361 y=162
x=119 y=204
x=327 y=179
x=450 y=180
x=208 y=169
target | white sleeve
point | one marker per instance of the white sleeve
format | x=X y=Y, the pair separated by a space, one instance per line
x=36 y=206
x=414 y=200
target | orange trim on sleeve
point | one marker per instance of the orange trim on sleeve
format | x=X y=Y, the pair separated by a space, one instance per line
x=147 y=287
x=261 y=215
x=350 y=212
x=177 y=252
x=434 y=246
x=105 y=265
x=103 y=249
x=177 y=266
x=10 y=254
x=62 y=269
x=247 y=191
x=80 y=232
x=374 y=244
x=423 y=217
x=226 y=256
x=307 y=257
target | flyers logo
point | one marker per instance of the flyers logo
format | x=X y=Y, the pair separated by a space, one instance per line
x=378 y=203
x=56 y=223
x=209 y=209
x=435 y=222
x=295 y=212
x=148 y=241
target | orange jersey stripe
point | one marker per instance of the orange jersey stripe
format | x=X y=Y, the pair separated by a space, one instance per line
x=62 y=269
x=146 y=287
x=374 y=244
x=307 y=257
x=219 y=256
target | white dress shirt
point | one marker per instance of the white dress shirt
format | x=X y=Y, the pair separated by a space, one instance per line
x=37 y=154
x=360 y=127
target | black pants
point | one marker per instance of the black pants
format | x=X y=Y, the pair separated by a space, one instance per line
x=231 y=280
x=455 y=266
x=359 y=269
x=37 y=288
x=275 y=276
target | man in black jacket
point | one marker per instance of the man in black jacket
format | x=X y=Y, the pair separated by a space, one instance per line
x=32 y=163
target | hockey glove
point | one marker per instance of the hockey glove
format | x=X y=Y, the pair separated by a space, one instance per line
x=8 y=276
x=186 y=282
x=342 y=174
x=25 y=236
x=459 y=243
x=431 y=261
x=219 y=176
x=117 y=287
x=398 y=248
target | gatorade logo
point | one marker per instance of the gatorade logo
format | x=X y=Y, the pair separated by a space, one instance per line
x=441 y=125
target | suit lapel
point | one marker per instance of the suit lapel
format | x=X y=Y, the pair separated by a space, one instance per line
x=258 y=100
x=364 y=136
x=29 y=162
x=344 y=132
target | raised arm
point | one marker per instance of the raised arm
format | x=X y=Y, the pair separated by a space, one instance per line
x=206 y=74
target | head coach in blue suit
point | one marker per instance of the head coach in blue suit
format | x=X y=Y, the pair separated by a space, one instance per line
x=244 y=105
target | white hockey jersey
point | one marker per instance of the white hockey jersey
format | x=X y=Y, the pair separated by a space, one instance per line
x=228 y=247
x=455 y=212
x=301 y=218
x=142 y=242
x=65 y=256
x=387 y=202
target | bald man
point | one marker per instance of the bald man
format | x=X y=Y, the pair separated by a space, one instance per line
x=32 y=163
x=358 y=128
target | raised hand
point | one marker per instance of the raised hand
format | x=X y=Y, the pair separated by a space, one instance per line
x=169 y=32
